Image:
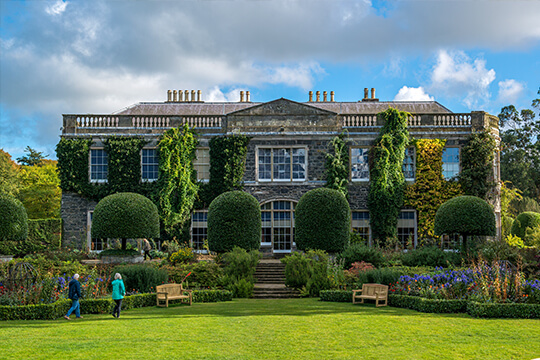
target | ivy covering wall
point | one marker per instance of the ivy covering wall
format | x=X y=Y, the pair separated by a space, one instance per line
x=476 y=177
x=177 y=183
x=227 y=167
x=385 y=197
x=337 y=165
x=124 y=159
x=430 y=190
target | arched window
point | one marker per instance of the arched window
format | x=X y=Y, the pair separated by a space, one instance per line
x=278 y=225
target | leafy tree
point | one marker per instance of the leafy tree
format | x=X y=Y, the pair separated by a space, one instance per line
x=9 y=175
x=13 y=223
x=125 y=216
x=465 y=215
x=520 y=148
x=524 y=221
x=40 y=190
x=33 y=158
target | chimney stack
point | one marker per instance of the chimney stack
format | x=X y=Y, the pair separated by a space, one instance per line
x=169 y=95
x=366 y=94
x=331 y=96
x=241 y=96
x=311 y=96
x=325 y=98
x=247 y=97
x=372 y=93
x=318 y=93
x=199 y=94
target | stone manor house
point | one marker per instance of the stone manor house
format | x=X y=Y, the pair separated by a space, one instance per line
x=286 y=153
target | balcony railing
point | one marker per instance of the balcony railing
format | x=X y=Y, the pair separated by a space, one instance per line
x=446 y=120
x=138 y=122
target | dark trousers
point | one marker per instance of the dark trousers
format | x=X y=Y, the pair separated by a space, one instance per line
x=117 y=307
x=147 y=254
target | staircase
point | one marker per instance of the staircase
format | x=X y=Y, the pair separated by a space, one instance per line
x=270 y=281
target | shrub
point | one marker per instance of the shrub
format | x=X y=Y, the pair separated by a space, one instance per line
x=234 y=219
x=238 y=271
x=359 y=252
x=297 y=270
x=512 y=310
x=322 y=220
x=125 y=215
x=203 y=274
x=465 y=215
x=13 y=223
x=430 y=256
x=205 y=296
x=308 y=270
x=525 y=220
x=384 y=276
x=336 y=295
x=183 y=255
x=141 y=278
x=438 y=306
x=43 y=234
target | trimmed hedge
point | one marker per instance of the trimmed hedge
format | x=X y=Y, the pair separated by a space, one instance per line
x=494 y=310
x=523 y=221
x=360 y=252
x=234 y=219
x=99 y=306
x=336 y=295
x=125 y=215
x=141 y=278
x=13 y=219
x=437 y=306
x=465 y=215
x=322 y=221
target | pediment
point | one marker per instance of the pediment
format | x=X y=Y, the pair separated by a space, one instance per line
x=282 y=107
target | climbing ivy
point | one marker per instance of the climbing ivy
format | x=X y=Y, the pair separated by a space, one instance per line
x=72 y=165
x=124 y=159
x=337 y=165
x=227 y=167
x=476 y=177
x=177 y=183
x=430 y=190
x=385 y=197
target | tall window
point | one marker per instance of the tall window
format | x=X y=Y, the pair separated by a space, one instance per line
x=199 y=229
x=278 y=225
x=406 y=229
x=149 y=164
x=360 y=224
x=450 y=160
x=409 y=168
x=359 y=164
x=281 y=164
x=201 y=164
x=98 y=165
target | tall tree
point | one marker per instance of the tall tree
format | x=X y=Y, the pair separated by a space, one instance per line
x=520 y=150
x=40 y=190
x=33 y=158
x=9 y=174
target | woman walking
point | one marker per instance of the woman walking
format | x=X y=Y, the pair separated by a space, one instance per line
x=118 y=293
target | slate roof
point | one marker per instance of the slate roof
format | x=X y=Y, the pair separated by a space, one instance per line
x=223 y=108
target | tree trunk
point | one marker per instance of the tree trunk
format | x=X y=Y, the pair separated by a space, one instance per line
x=124 y=243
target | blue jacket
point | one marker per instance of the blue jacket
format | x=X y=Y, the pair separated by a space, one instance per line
x=118 y=289
x=74 y=290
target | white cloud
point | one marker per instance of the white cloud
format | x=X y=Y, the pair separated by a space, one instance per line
x=509 y=91
x=216 y=95
x=57 y=8
x=413 y=94
x=457 y=75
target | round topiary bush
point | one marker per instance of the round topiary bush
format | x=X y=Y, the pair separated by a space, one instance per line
x=13 y=221
x=322 y=220
x=125 y=216
x=234 y=219
x=465 y=215
x=525 y=220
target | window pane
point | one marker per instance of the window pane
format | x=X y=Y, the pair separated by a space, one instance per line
x=98 y=165
x=201 y=164
x=408 y=164
x=265 y=164
x=359 y=164
x=450 y=160
x=150 y=164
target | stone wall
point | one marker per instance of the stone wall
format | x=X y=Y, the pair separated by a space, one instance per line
x=75 y=218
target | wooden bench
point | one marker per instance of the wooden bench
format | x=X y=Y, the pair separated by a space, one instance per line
x=377 y=292
x=167 y=292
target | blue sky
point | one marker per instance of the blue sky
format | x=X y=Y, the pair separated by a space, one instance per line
x=76 y=57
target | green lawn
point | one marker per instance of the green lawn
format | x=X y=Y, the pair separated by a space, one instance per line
x=271 y=329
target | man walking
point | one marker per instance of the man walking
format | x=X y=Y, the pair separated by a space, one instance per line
x=147 y=247
x=74 y=294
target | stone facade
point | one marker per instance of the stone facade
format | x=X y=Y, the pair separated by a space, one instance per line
x=277 y=124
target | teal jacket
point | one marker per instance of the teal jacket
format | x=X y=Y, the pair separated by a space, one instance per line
x=118 y=289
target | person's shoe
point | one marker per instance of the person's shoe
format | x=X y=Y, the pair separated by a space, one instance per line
x=66 y=317
x=79 y=317
x=113 y=315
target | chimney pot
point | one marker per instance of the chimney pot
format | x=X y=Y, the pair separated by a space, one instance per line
x=325 y=99
x=174 y=95
x=373 y=93
x=199 y=94
x=180 y=95
x=247 y=96
x=169 y=95
x=192 y=95
x=241 y=96
x=331 y=96
x=366 y=92
x=311 y=96
x=318 y=93
x=186 y=93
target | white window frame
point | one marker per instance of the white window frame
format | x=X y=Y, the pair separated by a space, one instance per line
x=199 y=178
x=272 y=149
x=90 y=166
x=200 y=251
x=413 y=164
x=415 y=226
x=458 y=162
x=273 y=226
x=353 y=163
x=142 y=164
